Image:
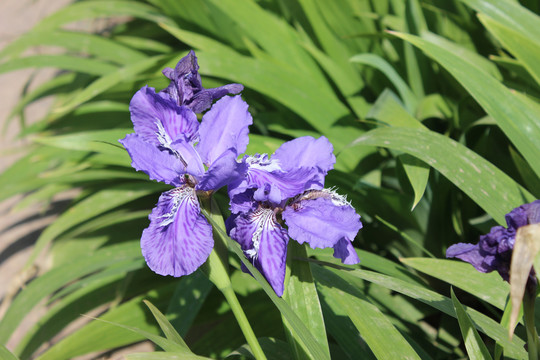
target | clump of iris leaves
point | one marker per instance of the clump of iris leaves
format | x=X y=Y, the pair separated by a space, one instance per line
x=433 y=111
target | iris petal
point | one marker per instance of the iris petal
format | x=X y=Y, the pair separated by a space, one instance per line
x=158 y=121
x=224 y=127
x=320 y=220
x=179 y=238
x=469 y=253
x=264 y=242
x=159 y=165
x=344 y=250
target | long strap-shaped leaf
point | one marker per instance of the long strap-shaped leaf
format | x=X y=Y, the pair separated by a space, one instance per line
x=517 y=118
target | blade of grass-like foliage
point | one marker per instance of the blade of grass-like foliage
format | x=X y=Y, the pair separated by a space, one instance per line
x=61 y=62
x=103 y=141
x=373 y=325
x=300 y=331
x=187 y=300
x=525 y=49
x=517 y=119
x=93 y=205
x=418 y=175
x=5 y=354
x=133 y=326
x=408 y=97
x=95 y=292
x=161 y=355
x=531 y=181
x=488 y=287
x=301 y=295
x=273 y=348
x=388 y=109
x=510 y=13
x=106 y=82
x=513 y=349
x=476 y=349
x=79 y=42
x=168 y=330
x=489 y=187
x=58 y=277
x=101 y=8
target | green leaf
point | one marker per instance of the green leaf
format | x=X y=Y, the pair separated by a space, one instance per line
x=62 y=62
x=93 y=205
x=373 y=325
x=99 y=46
x=160 y=355
x=476 y=349
x=418 y=174
x=488 y=287
x=53 y=280
x=517 y=119
x=489 y=187
x=5 y=354
x=301 y=295
x=299 y=329
x=273 y=349
x=513 y=349
x=167 y=328
x=524 y=48
x=106 y=82
x=408 y=97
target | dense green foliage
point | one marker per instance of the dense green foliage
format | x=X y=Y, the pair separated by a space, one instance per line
x=433 y=110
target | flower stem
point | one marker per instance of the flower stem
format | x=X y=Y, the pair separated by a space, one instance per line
x=528 y=316
x=216 y=270
x=242 y=320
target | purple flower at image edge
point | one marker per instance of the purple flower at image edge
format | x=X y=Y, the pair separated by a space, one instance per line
x=494 y=250
x=171 y=146
x=290 y=186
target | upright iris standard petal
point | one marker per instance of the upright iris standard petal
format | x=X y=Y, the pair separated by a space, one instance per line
x=158 y=121
x=321 y=218
x=224 y=127
x=186 y=86
x=179 y=238
x=159 y=165
x=264 y=242
x=307 y=152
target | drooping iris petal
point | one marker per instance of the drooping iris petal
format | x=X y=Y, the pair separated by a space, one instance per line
x=158 y=121
x=221 y=172
x=159 y=165
x=320 y=220
x=264 y=242
x=524 y=215
x=469 y=253
x=179 y=239
x=224 y=127
x=344 y=250
x=307 y=152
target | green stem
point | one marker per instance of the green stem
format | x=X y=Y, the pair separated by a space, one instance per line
x=216 y=270
x=242 y=320
x=528 y=317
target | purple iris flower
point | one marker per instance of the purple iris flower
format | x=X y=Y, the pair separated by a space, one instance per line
x=289 y=187
x=186 y=88
x=172 y=147
x=494 y=250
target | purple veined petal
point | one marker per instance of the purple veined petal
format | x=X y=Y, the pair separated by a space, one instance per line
x=344 y=250
x=188 y=156
x=204 y=98
x=243 y=202
x=224 y=170
x=264 y=242
x=179 y=238
x=308 y=152
x=469 y=253
x=159 y=165
x=524 y=215
x=224 y=127
x=321 y=218
x=271 y=183
x=159 y=121
x=533 y=212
